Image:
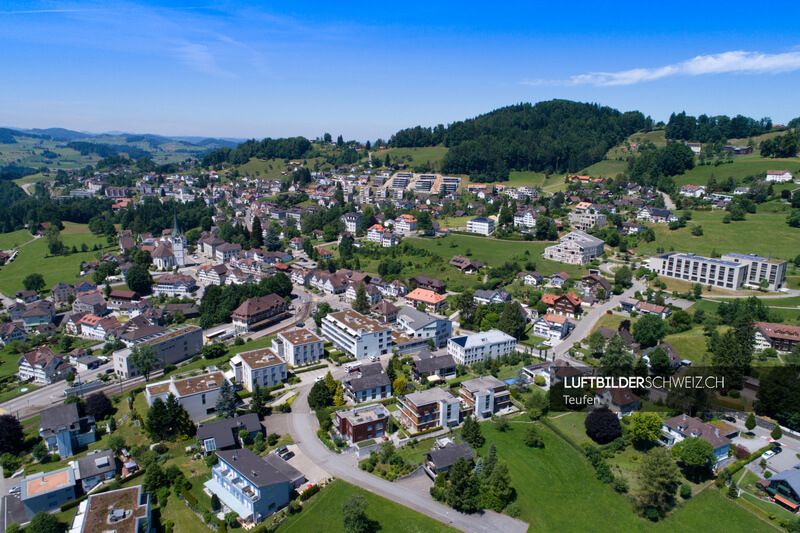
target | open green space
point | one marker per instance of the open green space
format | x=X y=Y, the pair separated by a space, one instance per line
x=572 y=425
x=742 y=167
x=760 y=233
x=607 y=168
x=323 y=512
x=413 y=156
x=14 y=239
x=34 y=257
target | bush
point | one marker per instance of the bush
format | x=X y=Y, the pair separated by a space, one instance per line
x=733 y=393
x=309 y=492
x=540 y=381
x=294 y=507
x=620 y=484
x=532 y=438
x=767 y=474
x=169 y=368
x=686 y=491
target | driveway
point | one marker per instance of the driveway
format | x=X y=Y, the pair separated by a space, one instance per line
x=303 y=426
x=307 y=465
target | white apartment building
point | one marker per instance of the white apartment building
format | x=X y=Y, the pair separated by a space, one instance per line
x=418 y=325
x=405 y=223
x=469 y=349
x=356 y=334
x=526 y=218
x=298 y=347
x=761 y=268
x=352 y=221
x=551 y=326
x=480 y=225
x=198 y=394
x=698 y=269
x=779 y=176
x=576 y=247
x=171 y=347
x=261 y=367
x=586 y=216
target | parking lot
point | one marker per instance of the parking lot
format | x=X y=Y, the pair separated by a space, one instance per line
x=314 y=474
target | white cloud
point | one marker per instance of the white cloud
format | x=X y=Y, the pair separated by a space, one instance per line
x=728 y=62
x=199 y=57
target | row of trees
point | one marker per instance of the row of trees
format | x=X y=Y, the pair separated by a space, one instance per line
x=714 y=129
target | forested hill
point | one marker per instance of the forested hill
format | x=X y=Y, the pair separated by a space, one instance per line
x=553 y=137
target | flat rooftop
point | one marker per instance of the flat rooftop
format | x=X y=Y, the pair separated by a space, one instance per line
x=49 y=482
x=261 y=358
x=300 y=336
x=117 y=511
x=357 y=321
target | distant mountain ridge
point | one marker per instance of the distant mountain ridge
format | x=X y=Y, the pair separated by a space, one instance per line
x=63 y=134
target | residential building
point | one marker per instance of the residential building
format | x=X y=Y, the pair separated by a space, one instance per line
x=551 y=326
x=693 y=191
x=427 y=368
x=594 y=283
x=10 y=332
x=296 y=478
x=647 y=308
x=526 y=218
x=684 y=426
x=418 y=325
x=97 y=328
x=174 y=286
x=298 y=347
x=224 y=434
x=94 y=468
x=39 y=313
x=61 y=293
x=357 y=335
x=248 y=485
x=256 y=313
x=558 y=279
x=352 y=221
x=619 y=400
x=118 y=298
x=469 y=349
x=261 y=367
x=385 y=310
x=432 y=301
x=429 y=409
x=126 y=510
x=576 y=247
x=781 y=337
x=568 y=305
x=784 y=487
x=370 y=382
x=405 y=223
x=198 y=394
x=374 y=294
x=422 y=281
x=779 y=176
x=225 y=251
x=171 y=346
x=587 y=216
x=441 y=459
x=485 y=396
x=362 y=423
x=500 y=296
x=465 y=265
x=480 y=225
x=704 y=270
x=64 y=431
x=47 y=491
x=760 y=269
x=531 y=278
x=92 y=303
x=652 y=214
x=42 y=366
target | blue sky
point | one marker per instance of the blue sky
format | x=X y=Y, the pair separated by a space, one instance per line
x=364 y=70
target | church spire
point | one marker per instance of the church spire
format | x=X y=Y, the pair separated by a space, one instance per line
x=175 y=230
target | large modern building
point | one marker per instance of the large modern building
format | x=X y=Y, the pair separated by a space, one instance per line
x=587 y=216
x=172 y=347
x=485 y=396
x=362 y=423
x=429 y=409
x=47 y=491
x=357 y=335
x=262 y=367
x=420 y=326
x=469 y=349
x=197 y=394
x=480 y=225
x=576 y=247
x=760 y=269
x=298 y=347
x=698 y=269
x=248 y=485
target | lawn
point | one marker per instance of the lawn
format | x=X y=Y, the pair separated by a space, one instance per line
x=14 y=239
x=691 y=344
x=612 y=322
x=572 y=425
x=742 y=167
x=34 y=257
x=607 y=168
x=747 y=236
x=415 y=453
x=323 y=513
x=453 y=222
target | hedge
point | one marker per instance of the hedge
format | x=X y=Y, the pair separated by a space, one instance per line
x=309 y=492
x=561 y=434
x=423 y=432
x=734 y=467
x=309 y=369
x=189 y=497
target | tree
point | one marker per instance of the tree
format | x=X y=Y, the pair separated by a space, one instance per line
x=361 y=303
x=33 y=282
x=157 y=420
x=512 y=321
x=596 y=342
x=602 y=425
x=272 y=242
x=532 y=438
x=98 y=406
x=501 y=424
x=319 y=397
x=399 y=386
x=617 y=359
x=750 y=423
x=537 y=404
x=697 y=290
x=659 y=361
x=138 y=279
x=43 y=522
x=144 y=358
x=776 y=432
x=256 y=234
x=623 y=276
x=697 y=455
x=179 y=422
x=40 y=453
x=471 y=431
x=214 y=350
x=116 y=442
x=226 y=401
x=498 y=491
x=257 y=403
x=463 y=490
x=330 y=383
x=338 y=397
x=490 y=461
x=645 y=427
x=215 y=503
x=649 y=330
x=13 y=436
x=658 y=483
x=354 y=513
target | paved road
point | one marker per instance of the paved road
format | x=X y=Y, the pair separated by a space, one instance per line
x=303 y=427
x=668 y=202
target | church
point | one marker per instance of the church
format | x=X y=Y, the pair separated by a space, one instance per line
x=170 y=252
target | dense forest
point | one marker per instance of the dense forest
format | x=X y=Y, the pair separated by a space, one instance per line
x=291 y=148
x=656 y=166
x=705 y=129
x=782 y=145
x=554 y=136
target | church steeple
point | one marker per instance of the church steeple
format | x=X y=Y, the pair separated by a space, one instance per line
x=175 y=229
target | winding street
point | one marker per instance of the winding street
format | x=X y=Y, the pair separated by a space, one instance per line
x=303 y=427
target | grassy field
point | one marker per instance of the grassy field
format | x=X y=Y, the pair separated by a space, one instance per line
x=607 y=168
x=453 y=222
x=34 y=258
x=691 y=344
x=413 y=156
x=14 y=239
x=611 y=321
x=495 y=252
x=323 y=513
x=742 y=167
x=747 y=236
x=572 y=424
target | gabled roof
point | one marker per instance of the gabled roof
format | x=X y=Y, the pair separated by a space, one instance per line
x=445 y=457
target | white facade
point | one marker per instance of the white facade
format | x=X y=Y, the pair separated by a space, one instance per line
x=779 y=176
x=697 y=269
x=469 y=349
x=760 y=269
x=418 y=325
x=576 y=247
x=356 y=334
x=198 y=395
x=262 y=367
x=480 y=225
x=551 y=327
x=299 y=347
x=525 y=218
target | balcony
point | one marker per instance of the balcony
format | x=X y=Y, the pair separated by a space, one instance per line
x=237 y=481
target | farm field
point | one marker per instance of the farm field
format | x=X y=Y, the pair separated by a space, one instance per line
x=323 y=513
x=34 y=258
x=747 y=236
x=14 y=239
x=742 y=167
x=607 y=168
x=261 y=168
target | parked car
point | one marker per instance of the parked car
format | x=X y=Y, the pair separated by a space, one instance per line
x=319 y=378
x=281 y=451
x=288 y=455
x=301 y=324
x=15 y=490
x=373 y=358
x=767 y=454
